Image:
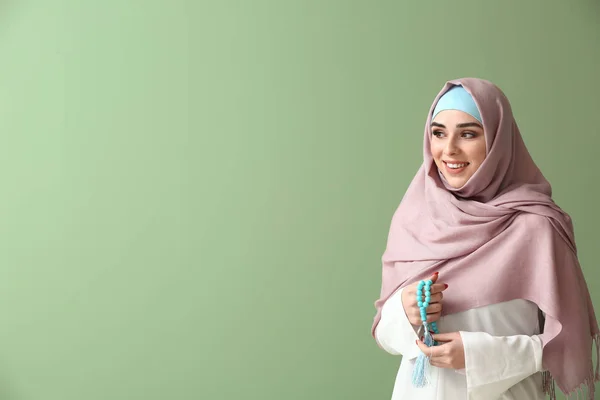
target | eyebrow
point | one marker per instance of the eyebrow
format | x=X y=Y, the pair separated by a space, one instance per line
x=464 y=125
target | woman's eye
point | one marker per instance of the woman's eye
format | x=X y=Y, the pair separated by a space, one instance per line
x=438 y=133
x=469 y=135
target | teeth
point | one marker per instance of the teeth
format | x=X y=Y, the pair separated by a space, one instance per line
x=456 y=166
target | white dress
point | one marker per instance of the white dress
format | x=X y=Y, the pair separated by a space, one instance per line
x=503 y=353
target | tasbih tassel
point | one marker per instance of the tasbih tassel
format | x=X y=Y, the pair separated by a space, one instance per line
x=421 y=372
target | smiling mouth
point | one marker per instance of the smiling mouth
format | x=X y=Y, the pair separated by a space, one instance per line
x=455 y=167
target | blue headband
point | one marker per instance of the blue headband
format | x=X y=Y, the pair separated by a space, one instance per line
x=457 y=98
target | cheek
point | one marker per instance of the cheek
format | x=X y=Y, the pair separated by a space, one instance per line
x=481 y=153
x=477 y=153
x=435 y=150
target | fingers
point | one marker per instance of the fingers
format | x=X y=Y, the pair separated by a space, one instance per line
x=430 y=318
x=434 y=308
x=409 y=301
x=434 y=277
x=436 y=298
x=428 y=351
x=438 y=288
x=433 y=317
x=448 y=354
x=446 y=337
x=434 y=311
x=437 y=354
x=433 y=351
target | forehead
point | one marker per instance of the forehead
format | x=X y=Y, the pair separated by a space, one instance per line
x=454 y=116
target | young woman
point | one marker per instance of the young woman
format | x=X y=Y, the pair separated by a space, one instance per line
x=507 y=293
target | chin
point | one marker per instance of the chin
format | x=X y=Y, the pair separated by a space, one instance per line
x=455 y=183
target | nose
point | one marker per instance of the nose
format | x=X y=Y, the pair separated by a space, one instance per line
x=451 y=147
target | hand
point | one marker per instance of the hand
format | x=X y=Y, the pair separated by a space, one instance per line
x=434 y=311
x=449 y=354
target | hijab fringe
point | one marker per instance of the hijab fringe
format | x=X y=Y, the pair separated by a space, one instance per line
x=587 y=388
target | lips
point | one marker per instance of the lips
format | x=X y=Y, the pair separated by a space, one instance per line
x=451 y=167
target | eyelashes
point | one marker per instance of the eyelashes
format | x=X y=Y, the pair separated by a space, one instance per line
x=465 y=135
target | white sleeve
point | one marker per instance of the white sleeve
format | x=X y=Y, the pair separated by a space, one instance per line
x=394 y=332
x=493 y=364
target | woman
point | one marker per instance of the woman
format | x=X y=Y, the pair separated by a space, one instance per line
x=508 y=294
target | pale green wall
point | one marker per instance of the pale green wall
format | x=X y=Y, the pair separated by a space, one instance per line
x=196 y=196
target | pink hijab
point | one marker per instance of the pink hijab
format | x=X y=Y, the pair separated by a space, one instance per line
x=500 y=237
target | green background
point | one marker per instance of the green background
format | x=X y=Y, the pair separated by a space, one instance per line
x=196 y=195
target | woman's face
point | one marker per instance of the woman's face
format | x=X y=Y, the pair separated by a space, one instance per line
x=457 y=145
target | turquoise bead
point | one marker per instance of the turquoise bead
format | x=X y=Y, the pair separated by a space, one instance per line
x=426 y=304
x=420 y=304
x=429 y=281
